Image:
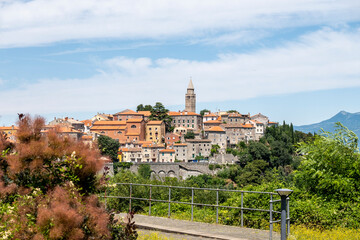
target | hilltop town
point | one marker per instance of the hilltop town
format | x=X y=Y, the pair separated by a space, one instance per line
x=184 y=136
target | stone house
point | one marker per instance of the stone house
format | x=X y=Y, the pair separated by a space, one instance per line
x=171 y=139
x=217 y=136
x=186 y=119
x=198 y=147
x=180 y=151
x=166 y=155
x=155 y=131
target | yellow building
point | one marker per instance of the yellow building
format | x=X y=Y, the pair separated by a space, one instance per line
x=155 y=131
x=10 y=132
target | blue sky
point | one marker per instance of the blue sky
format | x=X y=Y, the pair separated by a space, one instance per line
x=291 y=60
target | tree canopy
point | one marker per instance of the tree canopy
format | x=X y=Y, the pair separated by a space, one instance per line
x=160 y=113
x=109 y=147
x=331 y=164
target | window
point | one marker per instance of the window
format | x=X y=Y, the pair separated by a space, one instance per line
x=163 y=154
x=170 y=154
x=149 y=129
x=193 y=120
x=133 y=126
x=188 y=121
x=193 y=125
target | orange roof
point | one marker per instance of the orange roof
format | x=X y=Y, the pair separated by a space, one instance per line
x=134 y=149
x=167 y=151
x=256 y=121
x=134 y=120
x=132 y=134
x=87 y=123
x=124 y=149
x=154 y=122
x=219 y=118
x=180 y=144
x=109 y=123
x=130 y=112
x=210 y=115
x=215 y=129
x=273 y=122
x=152 y=145
x=213 y=121
x=248 y=125
x=183 y=114
x=145 y=113
x=144 y=142
x=65 y=129
x=98 y=128
x=9 y=128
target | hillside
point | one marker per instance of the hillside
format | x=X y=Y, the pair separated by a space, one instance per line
x=350 y=120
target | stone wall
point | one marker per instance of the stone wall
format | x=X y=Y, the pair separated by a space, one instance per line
x=181 y=170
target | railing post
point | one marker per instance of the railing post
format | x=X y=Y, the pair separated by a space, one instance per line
x=150 y=202
x=288 y=216
x=192 y=204
x=130 y=197
x=169 y=202
x=242 y=211
x=217 y=206
x=271 y=216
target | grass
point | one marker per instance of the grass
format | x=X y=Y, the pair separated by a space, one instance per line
x=304 y=233
x=155 y=236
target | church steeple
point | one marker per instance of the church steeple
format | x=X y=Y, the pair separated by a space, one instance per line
x=191 y=86
x=190 y=98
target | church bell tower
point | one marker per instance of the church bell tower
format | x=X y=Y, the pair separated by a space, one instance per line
x=190 y=98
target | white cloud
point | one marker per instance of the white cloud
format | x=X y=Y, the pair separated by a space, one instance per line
x=47 y=21
x=322 y=60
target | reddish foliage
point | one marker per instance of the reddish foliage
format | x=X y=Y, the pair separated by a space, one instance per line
x=64 y=215
x=38 y=155
x=50 y=162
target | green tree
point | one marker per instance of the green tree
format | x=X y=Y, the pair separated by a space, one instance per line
x=214 y=149
x=258 y=151
x=160 y=113
x=232 y=111
x=144 y=171
x=331 y=165
x=109 y=147
x=141 y=107
x=202 y=112
x=253 y=173
x=189 y=135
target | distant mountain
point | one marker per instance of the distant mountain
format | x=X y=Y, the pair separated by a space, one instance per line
x=350 y=120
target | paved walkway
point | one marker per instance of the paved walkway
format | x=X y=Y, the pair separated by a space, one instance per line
x=197 y=230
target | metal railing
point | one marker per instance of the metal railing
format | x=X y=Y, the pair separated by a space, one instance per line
x=271 y=211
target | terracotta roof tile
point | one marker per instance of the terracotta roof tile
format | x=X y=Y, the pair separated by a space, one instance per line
x=134 y=120
x=210 y=115
x=167 y=151
x=98 y=128
x=145 y=113
x=180 y=144
x=132 y=134
x=109 y=123
x=212 y=121
x=183 y=114
x=154 y=122
x=215 y=129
